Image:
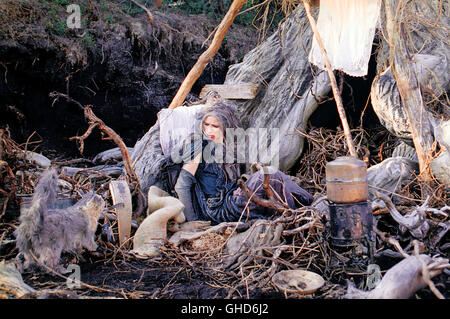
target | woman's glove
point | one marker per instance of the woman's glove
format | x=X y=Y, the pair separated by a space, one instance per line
x=183 y=187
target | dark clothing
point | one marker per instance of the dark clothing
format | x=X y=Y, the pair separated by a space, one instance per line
x=212 y=195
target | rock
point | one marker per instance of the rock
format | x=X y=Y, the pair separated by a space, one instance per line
x=440 y=167
x=36 y=158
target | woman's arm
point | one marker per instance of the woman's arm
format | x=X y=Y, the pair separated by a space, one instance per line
x=192 y=166
x=183 y=187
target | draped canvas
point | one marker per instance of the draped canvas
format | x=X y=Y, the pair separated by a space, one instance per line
x=347 y=29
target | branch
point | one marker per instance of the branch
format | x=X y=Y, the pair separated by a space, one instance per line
x=149 y=14
x=425 y=273
x=386 y=238
x=207 y=56
x=415 y=222
x=260 y=201
x=94 y=122
x=334 y=86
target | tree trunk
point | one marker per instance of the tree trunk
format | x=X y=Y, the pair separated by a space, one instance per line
x=410 y=92
x=289 y=91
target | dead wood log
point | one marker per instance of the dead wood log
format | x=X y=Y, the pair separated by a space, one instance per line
x=112 y=154
x=402 y=280
x=408 y=86
x=415 y=222
x=207 y=56
x=36 y=158
x=101 y=170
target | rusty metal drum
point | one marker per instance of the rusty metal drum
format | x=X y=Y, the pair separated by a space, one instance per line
x=346 y=179
x=350 y=222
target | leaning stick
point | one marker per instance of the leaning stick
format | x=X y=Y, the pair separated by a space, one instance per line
x=71 y=279
x=334 y=87
x=149 y=14
x=207 y=56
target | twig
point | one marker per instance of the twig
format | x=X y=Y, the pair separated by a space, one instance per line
x=71 y=279
x=425 y=273
x=297 y=230
x=390 y=240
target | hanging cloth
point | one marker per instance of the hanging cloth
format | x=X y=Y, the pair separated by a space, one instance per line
x=347 y=29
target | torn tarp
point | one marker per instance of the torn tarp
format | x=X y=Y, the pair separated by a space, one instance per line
x=347 y=29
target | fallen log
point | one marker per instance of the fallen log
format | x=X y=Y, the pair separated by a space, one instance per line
x=112 y=154
x=402 y=280
x=95 y=171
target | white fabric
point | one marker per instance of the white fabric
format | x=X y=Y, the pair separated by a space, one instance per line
x=176 y=124
x=347 y=29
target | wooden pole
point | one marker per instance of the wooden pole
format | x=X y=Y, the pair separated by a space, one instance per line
x=149 y=14
x=334 y=87
x=207 y=56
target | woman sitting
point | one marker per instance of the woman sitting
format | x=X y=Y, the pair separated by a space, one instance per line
x=207 y=184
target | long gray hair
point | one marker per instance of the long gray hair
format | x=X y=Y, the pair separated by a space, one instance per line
x=226 y=112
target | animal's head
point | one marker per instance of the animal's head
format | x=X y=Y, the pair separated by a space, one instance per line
x=92 y=205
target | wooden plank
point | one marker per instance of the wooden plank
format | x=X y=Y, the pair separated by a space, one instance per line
x=240 y=91
x=120 y=193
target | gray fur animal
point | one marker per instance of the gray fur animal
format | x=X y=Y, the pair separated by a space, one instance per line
x=47 y=232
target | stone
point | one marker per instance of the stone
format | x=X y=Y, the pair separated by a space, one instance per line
x=440 y=167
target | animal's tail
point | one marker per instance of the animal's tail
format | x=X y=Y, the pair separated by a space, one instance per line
x=31 y=217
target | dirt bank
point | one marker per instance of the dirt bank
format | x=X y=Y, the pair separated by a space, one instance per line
x=118 y=61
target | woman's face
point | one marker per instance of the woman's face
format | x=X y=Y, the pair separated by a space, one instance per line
x=212 y=129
